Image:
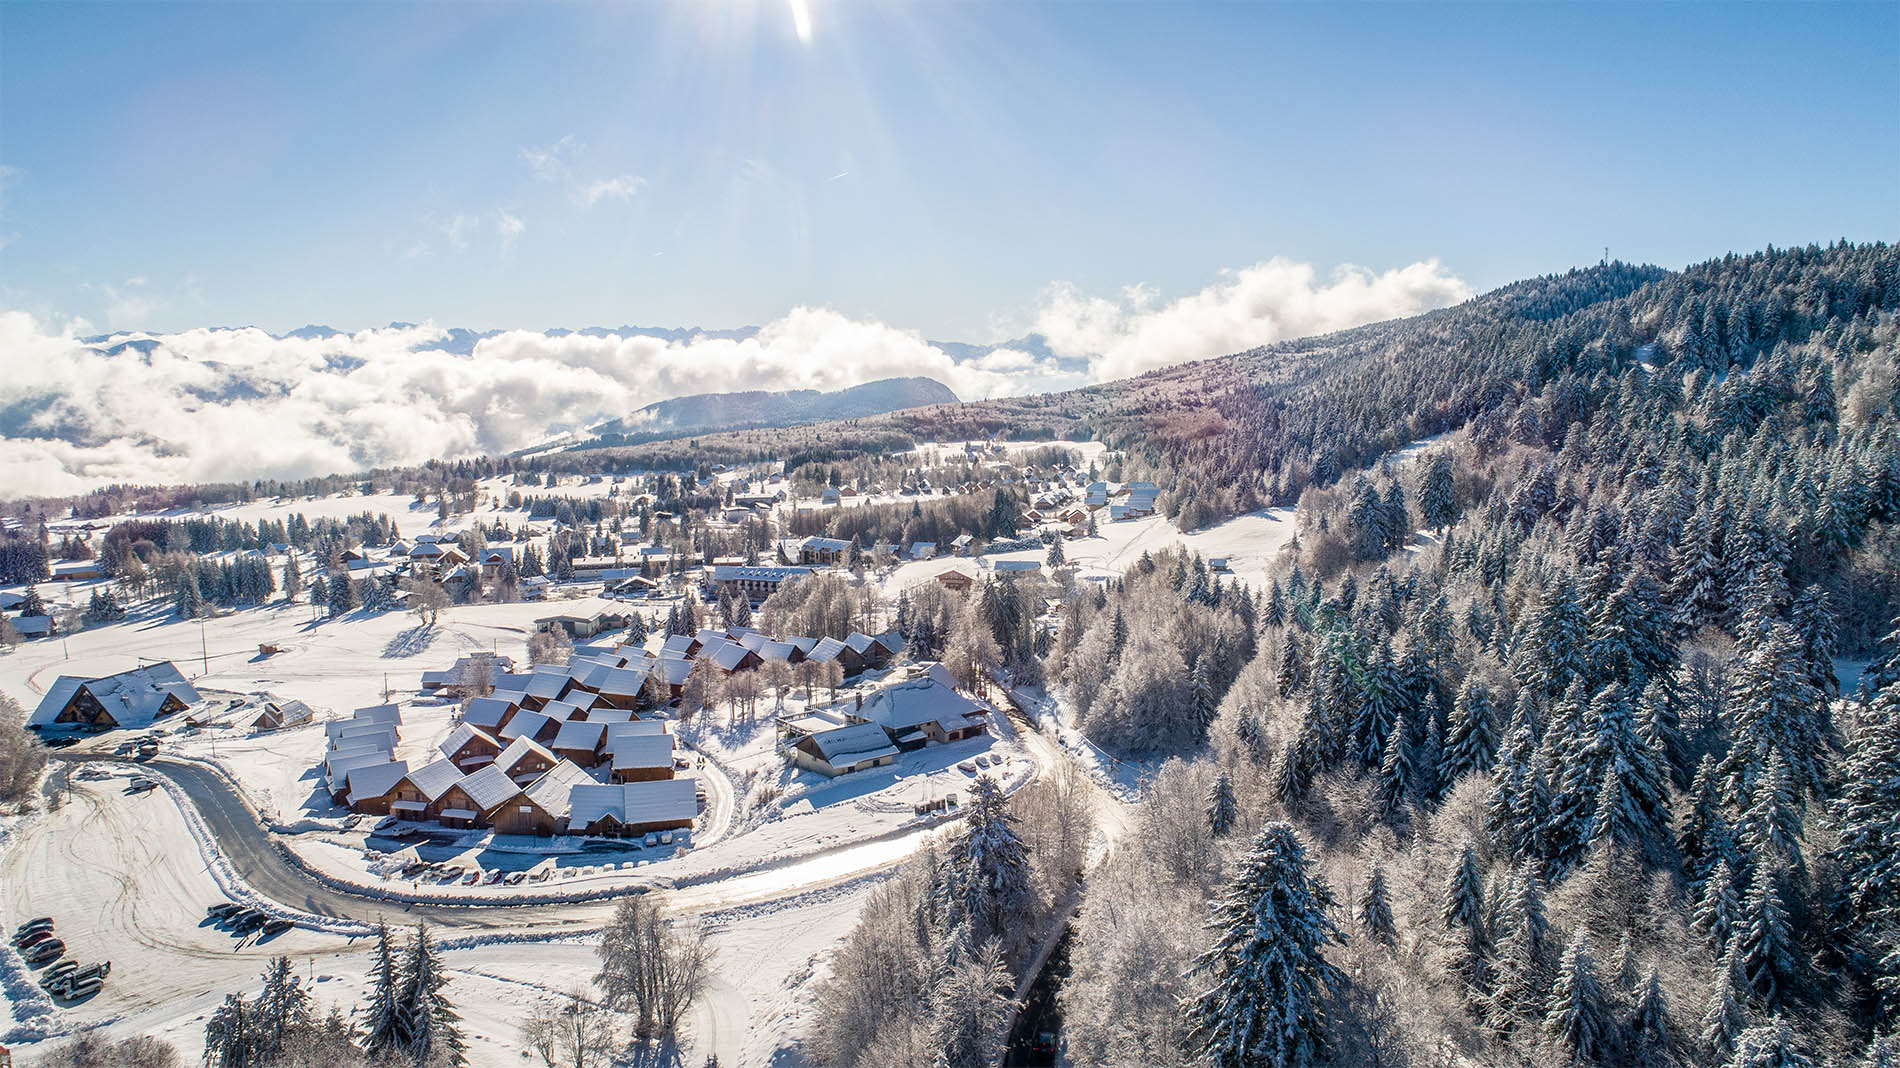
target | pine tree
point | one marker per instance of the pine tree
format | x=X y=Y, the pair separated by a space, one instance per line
x=1268 y=974
x=383 y=1014
x=1576 y=1015
x=1723 y=1018
x=636 y=628
x=1471 y=740
x=1649 y=1026
x=1201 y=703
x=1222 y=810
x=1704 y=837
x=1770 y=1045
x=990 y=864
x=1374 y=911
x=1717 y=908
x=1769 y=831
x=1763 y=942
x=1776 y=709
x=1523 y=979
x=1867 y=817
x=1437 y=499
x=1462 y=913
x=428 y=1023
x=281 y=1011
x=1395 y=770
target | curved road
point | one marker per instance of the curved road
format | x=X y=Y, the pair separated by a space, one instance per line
x=258 y=862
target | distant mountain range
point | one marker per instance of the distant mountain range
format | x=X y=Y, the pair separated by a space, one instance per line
x=758 y=408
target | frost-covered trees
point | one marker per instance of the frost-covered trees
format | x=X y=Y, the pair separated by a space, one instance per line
x=1576 y=1015
x=1267 y=975
x=651 y=965
x=987 y=866
x=428 y=1023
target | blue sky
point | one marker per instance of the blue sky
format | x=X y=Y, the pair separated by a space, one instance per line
x=936 y=167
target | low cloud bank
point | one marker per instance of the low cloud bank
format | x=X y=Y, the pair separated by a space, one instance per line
x=211 y=405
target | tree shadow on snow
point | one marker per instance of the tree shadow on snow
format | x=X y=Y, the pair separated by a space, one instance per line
x=650 y=1054
x=410 y=642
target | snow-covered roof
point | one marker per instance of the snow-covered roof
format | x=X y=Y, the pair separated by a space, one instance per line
x=609 y=715
x=579 y=735
x=339 y=767
x=859 y=642
x=434 y=778
x=389 y=713
x=489 y=788
x=624 y=682
x=917 y=702
x=520 y=749
x=636 y=727
x=657 y=801
x=728 y=656
x=826 y=650
x=488 y=712
x=463 y=734
x=526 y=722
x=553 y=791
x=855 y=744
x=672 y=670
x=778 y=651
x=132 y=698
x=642 y=751
x=375 y=780
x=676 y=645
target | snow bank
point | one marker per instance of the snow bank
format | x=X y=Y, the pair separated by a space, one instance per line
x=33 y=1019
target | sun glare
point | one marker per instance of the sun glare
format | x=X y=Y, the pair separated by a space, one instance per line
x=801 y=19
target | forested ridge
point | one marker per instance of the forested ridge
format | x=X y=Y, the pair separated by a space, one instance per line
x=1534 y=750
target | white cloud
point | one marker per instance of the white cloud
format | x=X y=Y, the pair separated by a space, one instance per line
x=1252 y=306
x=619 y=187
x=455 y=228
x=395 y=396
x=550 y=164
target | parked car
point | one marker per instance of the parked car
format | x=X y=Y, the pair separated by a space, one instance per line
x=494 y=877
x=56 y=973
x=222 y=909
x=277 y=927
x=44 y=952
x=515 y=878
x=29 y=941
x=42 y=923
x=82 y=990
x=474 y=876
x=247 y=920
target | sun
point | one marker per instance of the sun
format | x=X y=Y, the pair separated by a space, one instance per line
x=801 y=19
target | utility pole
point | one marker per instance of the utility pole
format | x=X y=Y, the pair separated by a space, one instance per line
x=204 y=650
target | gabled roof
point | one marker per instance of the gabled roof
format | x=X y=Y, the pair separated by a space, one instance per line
x=625 y=682
x=337 y=770
x=826 y=650
x=390 y=714
x=520 y=749
x=463 y=734
x=710 y=636
x=859 y=642
x=489 y=788
x=579 y=735
x=375 y=780
x=132 y=698
x=658 y=801
x=676 y=645
x=672 y=671
x=633 y=727
x=526 y=722
x=548 y=685
x=911 y=704
x=553 y=791
x=642 y=751
x=610 y=716
x=728 y=656
x=854 y=744
x=434 y=778
x=487 y=712
x=780 y=651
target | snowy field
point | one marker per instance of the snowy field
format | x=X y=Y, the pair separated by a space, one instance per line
x=131 y=886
